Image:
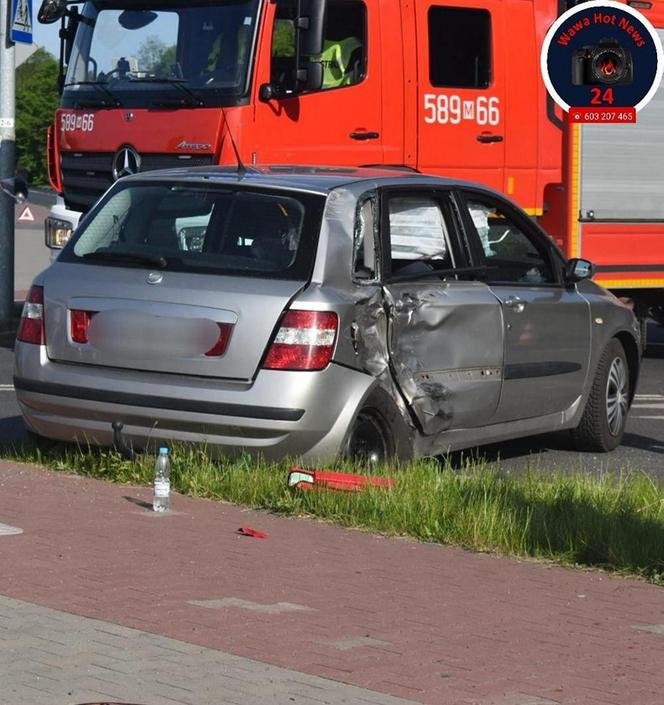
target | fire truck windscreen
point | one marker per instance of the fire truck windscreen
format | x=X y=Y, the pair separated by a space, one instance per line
x=170 y=50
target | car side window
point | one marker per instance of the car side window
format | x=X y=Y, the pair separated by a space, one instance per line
x=419 y=235
x=344 y=45
x=510 y=253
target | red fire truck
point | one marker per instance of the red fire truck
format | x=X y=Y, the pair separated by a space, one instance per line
x=449 y=87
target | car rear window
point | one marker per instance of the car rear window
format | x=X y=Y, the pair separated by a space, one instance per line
x=202 y=228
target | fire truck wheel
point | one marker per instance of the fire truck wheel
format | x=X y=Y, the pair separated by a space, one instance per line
x=379 y=434
x=603 y=422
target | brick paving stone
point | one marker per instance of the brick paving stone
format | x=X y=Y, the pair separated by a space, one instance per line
x=146 y=668
x=498 y=629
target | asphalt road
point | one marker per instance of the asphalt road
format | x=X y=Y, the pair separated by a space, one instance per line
x=643 y=447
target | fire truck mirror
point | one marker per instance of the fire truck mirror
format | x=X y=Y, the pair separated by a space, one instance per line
x=314 y=76
x=68 y=34
x=136 y=19
x=51 y=11
x=266 y=92
x=310 y=27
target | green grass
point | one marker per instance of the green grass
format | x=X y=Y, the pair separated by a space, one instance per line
x=614 y=521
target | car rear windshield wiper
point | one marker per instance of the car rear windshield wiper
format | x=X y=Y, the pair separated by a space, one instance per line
x=91 y=103
x=127 y=257
x=195 y=101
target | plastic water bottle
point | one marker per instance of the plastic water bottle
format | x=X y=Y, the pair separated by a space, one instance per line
x=162 y=482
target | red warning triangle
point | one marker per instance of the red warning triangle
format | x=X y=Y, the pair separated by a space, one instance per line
x=26 y=216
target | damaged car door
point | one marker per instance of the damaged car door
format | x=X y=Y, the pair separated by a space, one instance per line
x=445 y=332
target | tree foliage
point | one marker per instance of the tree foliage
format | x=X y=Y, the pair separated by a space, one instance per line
x=37 y=98
x=155 y=58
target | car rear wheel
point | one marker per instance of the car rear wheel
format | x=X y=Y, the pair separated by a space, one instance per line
x=369 y=443
x=603 y=422
x=379 y=434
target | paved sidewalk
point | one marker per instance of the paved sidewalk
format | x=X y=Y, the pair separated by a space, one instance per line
x=49 y=657
x=311 y=607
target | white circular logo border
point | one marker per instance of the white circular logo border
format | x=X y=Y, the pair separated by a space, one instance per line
x=544 y=66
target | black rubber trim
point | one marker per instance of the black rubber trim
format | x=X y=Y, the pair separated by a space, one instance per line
x=551 y=113
x=629 y=268
x=143 y=400
x=539 y=369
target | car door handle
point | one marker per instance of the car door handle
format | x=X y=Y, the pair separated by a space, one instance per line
x=516 y=303
x=364 y=135
x=487 y=137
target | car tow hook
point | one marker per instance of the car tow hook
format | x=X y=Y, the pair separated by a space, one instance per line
x=119 y=442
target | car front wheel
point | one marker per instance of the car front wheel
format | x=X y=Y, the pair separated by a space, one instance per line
x=603 y=422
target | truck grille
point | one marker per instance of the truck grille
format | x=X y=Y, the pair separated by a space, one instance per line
x=86 y=175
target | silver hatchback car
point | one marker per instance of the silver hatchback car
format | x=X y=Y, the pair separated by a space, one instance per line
x=319 y=313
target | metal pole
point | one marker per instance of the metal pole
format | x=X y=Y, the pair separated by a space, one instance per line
x=7 y=161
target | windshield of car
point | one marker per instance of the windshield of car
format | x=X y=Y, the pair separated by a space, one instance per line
x=172 y=49
x=193 y=227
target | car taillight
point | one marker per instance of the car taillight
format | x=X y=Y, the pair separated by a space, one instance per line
x=305 y=341
x=31 y=328
x=225 y=330
x=79 y=322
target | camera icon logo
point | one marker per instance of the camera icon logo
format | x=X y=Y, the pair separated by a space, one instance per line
x=606 y=63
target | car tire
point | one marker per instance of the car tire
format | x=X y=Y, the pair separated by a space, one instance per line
x=603 y=422
x=379 y=433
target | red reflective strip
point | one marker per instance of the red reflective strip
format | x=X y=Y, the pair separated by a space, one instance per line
x=80 y=320
x=225 y=330
x=347 y=482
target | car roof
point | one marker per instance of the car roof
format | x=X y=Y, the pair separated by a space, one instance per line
x=316 y=179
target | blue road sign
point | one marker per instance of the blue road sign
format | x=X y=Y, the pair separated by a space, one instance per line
x=21 y=21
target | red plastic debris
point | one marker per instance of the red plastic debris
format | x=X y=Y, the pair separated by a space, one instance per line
x=303 y=479
x=254 y=533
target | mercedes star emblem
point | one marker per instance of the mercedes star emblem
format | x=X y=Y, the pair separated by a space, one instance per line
x=126 y=162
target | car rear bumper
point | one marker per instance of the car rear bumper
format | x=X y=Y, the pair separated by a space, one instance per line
x=299 y=414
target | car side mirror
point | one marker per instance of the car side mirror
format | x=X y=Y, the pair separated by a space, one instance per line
x=578 y=269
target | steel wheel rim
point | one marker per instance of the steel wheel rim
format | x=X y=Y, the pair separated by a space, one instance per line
x=367 y=443
x=617 y=397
